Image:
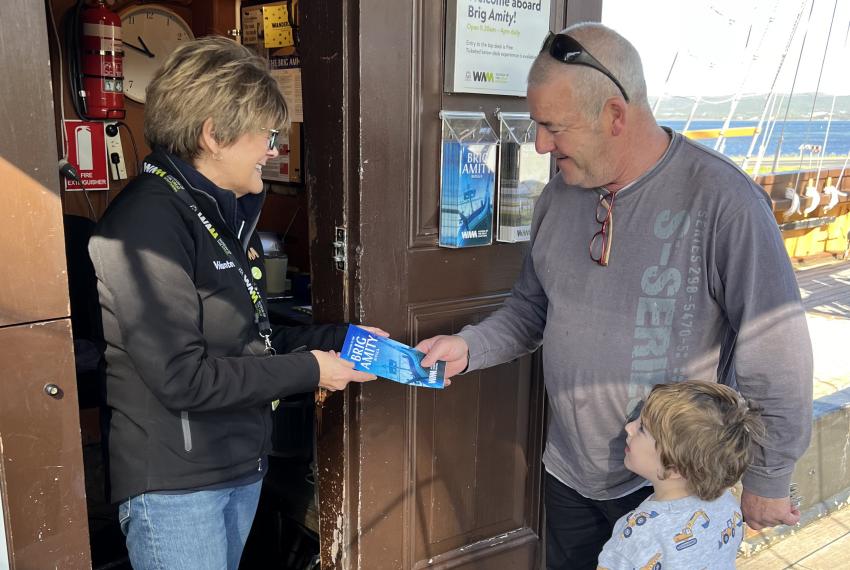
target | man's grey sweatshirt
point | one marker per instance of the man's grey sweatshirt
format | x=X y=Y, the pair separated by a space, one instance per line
x=699 y=286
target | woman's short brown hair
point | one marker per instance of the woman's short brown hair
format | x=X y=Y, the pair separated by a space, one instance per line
x=704 y=431
x=210 y=78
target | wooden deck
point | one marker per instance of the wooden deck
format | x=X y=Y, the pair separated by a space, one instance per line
x=826 y=289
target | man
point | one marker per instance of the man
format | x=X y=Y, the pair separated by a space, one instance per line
x=652 y=260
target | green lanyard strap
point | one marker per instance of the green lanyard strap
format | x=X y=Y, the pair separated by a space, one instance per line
x=261 y=317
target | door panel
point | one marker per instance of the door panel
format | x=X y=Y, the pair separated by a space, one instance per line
x=40 y=448
x=475 y=443
x=33 y=285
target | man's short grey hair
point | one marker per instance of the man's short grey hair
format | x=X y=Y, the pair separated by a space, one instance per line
x=591 y=87
x=210 y=78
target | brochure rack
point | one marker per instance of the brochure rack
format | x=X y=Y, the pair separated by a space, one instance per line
x=468 y=179
x=523 y=173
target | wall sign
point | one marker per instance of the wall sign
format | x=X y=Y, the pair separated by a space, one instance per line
x=286 y=70
x=87 y=151
x=276 y=28
x=491 y=44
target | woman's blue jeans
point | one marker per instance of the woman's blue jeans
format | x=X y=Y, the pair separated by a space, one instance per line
x=199 y=530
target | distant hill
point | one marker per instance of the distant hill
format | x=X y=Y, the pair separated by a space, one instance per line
x=751 y=107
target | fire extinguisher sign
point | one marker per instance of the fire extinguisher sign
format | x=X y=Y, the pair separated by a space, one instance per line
x=87 y=151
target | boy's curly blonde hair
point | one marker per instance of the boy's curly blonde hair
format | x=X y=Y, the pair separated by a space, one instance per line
x=703 y=431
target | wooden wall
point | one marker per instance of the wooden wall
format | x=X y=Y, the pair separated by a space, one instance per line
x=826 y=238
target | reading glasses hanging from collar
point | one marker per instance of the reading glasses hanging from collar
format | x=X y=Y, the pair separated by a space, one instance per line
x=568 y=50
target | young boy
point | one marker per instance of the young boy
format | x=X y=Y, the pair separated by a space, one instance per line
x=692 y=442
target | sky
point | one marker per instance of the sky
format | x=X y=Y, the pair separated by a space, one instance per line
x=714 y=55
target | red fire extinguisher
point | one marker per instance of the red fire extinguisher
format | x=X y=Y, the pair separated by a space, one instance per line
x=101 y=52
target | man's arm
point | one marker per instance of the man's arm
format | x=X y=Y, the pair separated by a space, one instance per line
x=514 y=330
x=756 y=285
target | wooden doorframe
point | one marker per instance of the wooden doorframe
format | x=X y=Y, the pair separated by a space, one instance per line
x=331 y=92
x=40 y=447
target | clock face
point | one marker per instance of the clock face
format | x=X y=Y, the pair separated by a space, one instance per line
x=150 y=34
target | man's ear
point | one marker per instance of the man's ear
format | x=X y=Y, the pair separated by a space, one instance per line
x=615 y=115
x=207 y=141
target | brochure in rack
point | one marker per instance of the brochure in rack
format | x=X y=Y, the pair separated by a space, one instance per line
x=468 y=184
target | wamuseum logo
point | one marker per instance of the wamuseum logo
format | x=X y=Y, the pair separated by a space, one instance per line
x=486 y=77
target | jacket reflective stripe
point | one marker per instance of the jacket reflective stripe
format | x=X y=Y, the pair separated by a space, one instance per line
x=187 y=432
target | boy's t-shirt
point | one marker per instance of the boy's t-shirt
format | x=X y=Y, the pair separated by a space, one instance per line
x=686 y=533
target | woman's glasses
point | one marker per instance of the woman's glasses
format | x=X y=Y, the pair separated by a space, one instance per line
x=273 y=133
x=600 y=243
x=567 y=50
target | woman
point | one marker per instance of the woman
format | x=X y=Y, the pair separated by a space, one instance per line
x=192 y=370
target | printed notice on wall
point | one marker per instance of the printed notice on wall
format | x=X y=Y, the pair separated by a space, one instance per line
x=286 y=71
x=491 y=44
x=276 y=28
x=252 y=26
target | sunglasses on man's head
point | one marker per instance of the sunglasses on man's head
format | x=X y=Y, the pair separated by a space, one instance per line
x=567 y=50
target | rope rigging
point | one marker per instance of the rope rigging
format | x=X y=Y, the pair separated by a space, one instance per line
x=793 y=86
x=771 y=98
x=808 y=190
x=720 y=143
x=831 y=111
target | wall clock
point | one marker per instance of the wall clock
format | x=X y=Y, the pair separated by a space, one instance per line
x=150 y=33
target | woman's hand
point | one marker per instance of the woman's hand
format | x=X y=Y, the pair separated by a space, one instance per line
x=375 y=330
x=335 y=373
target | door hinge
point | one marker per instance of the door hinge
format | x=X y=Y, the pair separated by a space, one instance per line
x=340 y=245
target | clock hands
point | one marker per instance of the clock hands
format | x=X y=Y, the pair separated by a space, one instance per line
x=144 y=49
x=141 y=41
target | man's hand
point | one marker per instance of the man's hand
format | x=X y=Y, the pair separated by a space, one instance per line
x=452 y=349
x=760 y=512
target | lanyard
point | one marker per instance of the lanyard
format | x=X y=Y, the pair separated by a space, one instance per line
x=261 y=317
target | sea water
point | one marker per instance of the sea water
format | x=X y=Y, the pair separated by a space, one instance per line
x=796 y=134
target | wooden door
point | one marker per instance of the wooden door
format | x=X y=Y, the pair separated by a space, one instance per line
x=445 y=479
x=41 y=467
x=411 y=478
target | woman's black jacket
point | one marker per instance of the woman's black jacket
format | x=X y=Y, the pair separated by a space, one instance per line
x=188 y=384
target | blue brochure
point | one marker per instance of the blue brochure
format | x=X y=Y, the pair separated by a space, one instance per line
x=466 y=194
x=389 y=359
